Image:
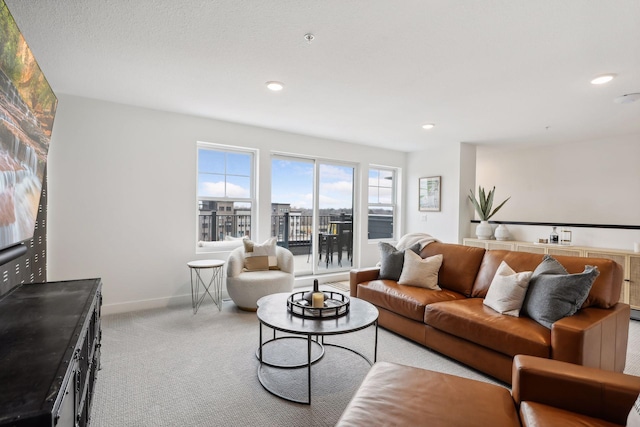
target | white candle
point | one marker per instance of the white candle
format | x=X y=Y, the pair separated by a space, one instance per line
x=317 y=300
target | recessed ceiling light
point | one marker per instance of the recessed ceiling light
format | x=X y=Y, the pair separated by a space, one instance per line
x=428 y=126
x=602 y=79
x=275 y=86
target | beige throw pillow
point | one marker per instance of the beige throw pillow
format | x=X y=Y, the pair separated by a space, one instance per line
x=420 y=272
x=507 y=290
x=260 y=257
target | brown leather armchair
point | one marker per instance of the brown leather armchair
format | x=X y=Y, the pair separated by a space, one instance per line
x=553 y=393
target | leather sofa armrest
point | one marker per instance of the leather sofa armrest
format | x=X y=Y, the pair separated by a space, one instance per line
x=361 y=275
x=594 y=337
x=589 y=391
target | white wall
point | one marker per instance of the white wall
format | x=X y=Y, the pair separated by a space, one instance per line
x=122 y=200
x=122 y=192
x=594 y=182
x=455 y=163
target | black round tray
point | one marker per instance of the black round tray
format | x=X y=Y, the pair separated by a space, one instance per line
x=336 y=304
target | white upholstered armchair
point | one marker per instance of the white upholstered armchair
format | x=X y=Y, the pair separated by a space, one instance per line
x=246 y=287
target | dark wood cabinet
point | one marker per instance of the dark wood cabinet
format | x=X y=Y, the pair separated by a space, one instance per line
x=49 y=353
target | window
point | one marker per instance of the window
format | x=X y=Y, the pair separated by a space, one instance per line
x=312 y=211
x=382 y=203
x=225 y=192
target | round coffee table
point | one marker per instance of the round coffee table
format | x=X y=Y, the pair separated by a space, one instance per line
x=272 y=313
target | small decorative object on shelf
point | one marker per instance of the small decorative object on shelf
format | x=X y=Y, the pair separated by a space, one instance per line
x=502 y=232
x=483 y=206
x=484 y=230
x=553 y=238
x=334 y=304
x=565 y=236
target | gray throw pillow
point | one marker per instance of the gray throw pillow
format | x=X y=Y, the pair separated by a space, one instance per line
x=554 y=293
x=392 y=260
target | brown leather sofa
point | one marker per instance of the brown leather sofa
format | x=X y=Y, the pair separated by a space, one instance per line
x=455 y=322
x=545 y=393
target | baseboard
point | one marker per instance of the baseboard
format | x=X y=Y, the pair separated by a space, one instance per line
x=147 y=304
x=185 y=300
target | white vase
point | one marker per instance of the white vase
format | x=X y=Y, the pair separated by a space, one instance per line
x=502 y=232
x=484 y=230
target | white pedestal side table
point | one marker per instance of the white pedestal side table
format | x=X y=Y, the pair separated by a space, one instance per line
x=214 y=285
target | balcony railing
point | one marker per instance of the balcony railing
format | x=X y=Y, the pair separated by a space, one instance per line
x=290 y=230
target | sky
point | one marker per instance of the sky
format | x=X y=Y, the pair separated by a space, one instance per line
x=292 y=180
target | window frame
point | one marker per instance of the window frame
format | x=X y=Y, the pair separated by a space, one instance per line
x=395 y=173
x=223 y=245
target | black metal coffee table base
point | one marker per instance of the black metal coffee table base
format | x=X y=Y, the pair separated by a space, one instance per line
x=307 y=346
x=291 y=356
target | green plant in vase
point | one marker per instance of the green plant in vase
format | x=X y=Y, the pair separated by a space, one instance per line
x=483 y=205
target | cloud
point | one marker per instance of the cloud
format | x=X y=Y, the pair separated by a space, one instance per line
x=339 y=173
x=336 y=195
x=217 y=189
x=304 y=201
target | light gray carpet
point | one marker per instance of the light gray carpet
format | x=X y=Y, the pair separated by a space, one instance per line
x=342 y=285
x=168 y=367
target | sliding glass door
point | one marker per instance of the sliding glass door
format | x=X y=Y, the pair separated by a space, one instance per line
x=312 y=212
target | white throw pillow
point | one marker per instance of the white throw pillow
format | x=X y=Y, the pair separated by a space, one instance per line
x=633 y=420
x=260 y=257
x=420 y=272
x=507 y=290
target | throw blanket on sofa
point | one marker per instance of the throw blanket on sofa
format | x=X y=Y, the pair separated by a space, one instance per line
x=411 y=239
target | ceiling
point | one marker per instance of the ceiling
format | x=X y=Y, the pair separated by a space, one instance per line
x=485 y=72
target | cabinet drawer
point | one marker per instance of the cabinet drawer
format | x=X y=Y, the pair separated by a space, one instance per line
x=565 y=251
x=531 y=249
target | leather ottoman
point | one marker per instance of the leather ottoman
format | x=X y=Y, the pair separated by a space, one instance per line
x=397 y=395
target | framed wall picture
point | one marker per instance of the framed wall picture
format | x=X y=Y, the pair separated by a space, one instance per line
x=429 y=194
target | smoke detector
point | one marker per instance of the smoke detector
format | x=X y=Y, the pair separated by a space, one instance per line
x=627 y=98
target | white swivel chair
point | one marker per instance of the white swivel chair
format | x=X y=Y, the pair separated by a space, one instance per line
x=246 y=287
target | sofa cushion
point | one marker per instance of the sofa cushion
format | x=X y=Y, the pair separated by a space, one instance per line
x=537 y=414
x=397 y=395
x=507 y=291
x=606 y=289
x=518 y=261
x=605 y=292
x=421 y=272
x=407 y=301
x=471 y=320
x=553 y=293
x=392 y=260
x=460 y=265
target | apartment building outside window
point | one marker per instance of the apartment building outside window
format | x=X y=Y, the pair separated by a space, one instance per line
x=225 y=192
x=382 y=209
